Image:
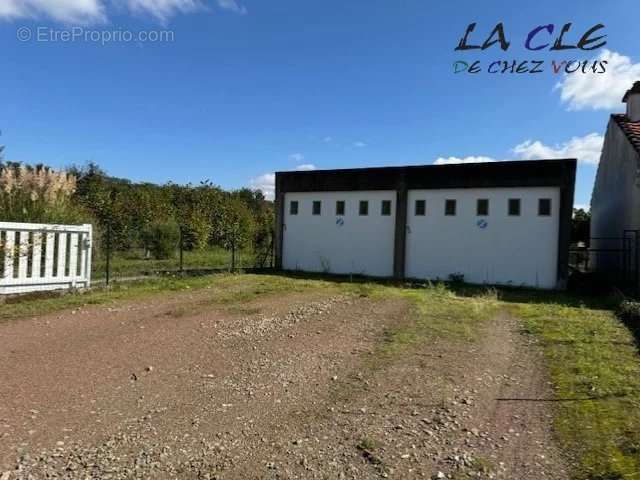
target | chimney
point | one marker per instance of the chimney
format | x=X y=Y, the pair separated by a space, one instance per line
x=632 y=99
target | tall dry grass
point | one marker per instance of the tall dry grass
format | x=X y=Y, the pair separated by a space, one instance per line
x=37 y=194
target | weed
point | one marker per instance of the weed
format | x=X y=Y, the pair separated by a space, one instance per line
x=481 y=464
x=367 y=443
x=179 y=312
x=367 y=447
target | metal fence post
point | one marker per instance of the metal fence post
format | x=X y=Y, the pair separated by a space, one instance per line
x=108 y=265
x=233 y=254
x=112 y=198
x=637 y=261
x=181 y=252
x=272 y=250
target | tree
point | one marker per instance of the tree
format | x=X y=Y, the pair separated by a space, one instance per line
x=161 y=239
x=196 y=209
x=264 y=218
x=133 y=209
x=139 y=215
x=236 y=228
x=580 y=226
x=254 y=199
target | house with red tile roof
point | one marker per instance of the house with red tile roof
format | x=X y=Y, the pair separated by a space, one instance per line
x=615 y=203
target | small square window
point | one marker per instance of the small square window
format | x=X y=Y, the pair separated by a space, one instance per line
x=385 y=209
x=293 y=208
x=482 y=208
x=340 y=207
x=364 y=207
x=421 y=207
x=450 y=207
x=544 y=207
x=317 y=207
x=514 y=207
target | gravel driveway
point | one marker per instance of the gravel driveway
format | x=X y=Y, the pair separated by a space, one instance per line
x=277 y=387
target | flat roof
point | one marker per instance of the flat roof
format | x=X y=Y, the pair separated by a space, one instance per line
x=518 y=173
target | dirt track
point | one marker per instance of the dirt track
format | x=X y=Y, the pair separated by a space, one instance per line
x=285 y=387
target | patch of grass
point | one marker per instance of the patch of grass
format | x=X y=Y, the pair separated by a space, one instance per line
x=225 y=289
x=243 y=310
x=363 y=290
x=179 y=312
x=256 y=286
x=595 y=369
x=21 y=307
x=438 y=313
x=480 y=467
x=482 y=464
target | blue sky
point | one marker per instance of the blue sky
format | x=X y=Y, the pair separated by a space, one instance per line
x=246 y=87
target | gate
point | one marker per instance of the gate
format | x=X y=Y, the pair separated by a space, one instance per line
x=39 y=257
x=615 y=259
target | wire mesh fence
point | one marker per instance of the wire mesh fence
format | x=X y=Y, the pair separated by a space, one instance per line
x=609 y=260
x=116 y=258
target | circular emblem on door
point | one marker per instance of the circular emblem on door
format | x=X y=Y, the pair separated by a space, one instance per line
x=482 y=223
x=339 y=222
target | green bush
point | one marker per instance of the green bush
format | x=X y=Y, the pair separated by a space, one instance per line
x=629 y=313
x=161 y=239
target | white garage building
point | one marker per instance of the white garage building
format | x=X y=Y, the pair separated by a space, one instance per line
x=505 y=223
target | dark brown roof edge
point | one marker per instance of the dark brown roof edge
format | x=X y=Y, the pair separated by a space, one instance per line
x=520 y=173
x=462 y=166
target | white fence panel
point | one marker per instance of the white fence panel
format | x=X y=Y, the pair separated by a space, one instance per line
x=37 y=257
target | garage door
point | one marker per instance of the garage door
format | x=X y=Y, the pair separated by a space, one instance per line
x=340 y=232
x=496 y=236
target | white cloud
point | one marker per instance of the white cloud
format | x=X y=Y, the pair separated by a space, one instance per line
x=454 y=160
x=582 y=206
x=232 y=6
x=266 y=183
x=305 y=167
x=65 y=11
x=359 y=144
x=586 y=149
x=296 y=157
x=163 y=9
x=600 y=91
x=84 y=12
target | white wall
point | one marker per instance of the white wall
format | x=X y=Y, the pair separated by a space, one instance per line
x=361 y=245
x=520 y=251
